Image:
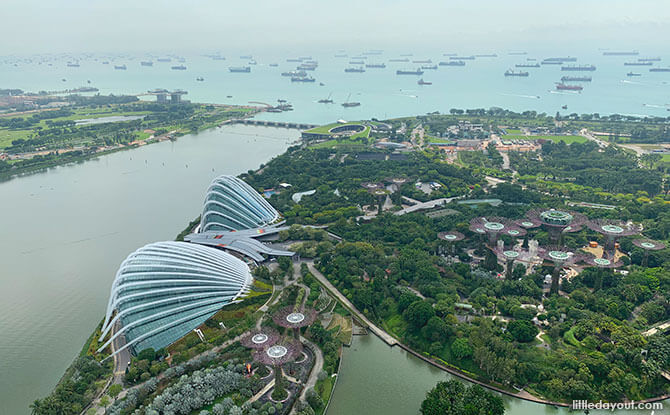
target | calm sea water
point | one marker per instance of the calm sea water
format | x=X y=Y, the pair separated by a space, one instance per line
x=382 y=93
x=65 y=232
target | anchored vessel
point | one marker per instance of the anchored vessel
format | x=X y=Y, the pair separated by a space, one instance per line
x=302 y=79
x=578 y=68
x=527 y=65
x=622 y=53
x=659 y=69
x=375 y=65
x=147 y=63
x=510 y=72
x=638 y=63
x=120 y=67
x=633 y=74
x=179 y=68
x=565 y=87
x=240 y=69
x=576 y=79
x=354 y=70
x=408 y=72
x=349 y=104
x=452 y=63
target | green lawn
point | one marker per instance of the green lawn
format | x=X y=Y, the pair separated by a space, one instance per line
x=665 y=158
x=569 y=139
x=513 y=131
x=325 y=129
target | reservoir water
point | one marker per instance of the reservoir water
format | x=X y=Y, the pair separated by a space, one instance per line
x=376 y=379
x=65 y=232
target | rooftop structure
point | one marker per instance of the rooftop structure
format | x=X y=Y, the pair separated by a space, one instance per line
x=510 y=256
x=243 y=242
x=603 y=262
x=164 y=290
x=233 y=205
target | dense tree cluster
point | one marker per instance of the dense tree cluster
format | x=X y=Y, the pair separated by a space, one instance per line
x=454 y=398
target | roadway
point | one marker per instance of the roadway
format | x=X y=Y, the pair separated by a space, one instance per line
x=121 y=359
x=390 y=340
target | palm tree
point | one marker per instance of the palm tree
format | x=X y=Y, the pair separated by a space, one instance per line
x=35 y=407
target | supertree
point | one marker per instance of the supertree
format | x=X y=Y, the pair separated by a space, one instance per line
x=603 y=262
x=648 y=245
x=277 y=355
x=495 y=226
x=293 y=317
x=510 y=256
x=561 y=257
x=556 y=222
x=451 y=237
x=260 y=338
x=612 y=230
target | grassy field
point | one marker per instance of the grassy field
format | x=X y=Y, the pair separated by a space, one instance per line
x=569 y=139
x=325 y=129
x=513 y=131
x=666 y=158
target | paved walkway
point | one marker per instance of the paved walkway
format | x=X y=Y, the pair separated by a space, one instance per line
x=390 y=340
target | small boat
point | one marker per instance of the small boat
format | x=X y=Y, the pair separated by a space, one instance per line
x=120 y=67
x=178 y=68
x=200 y=79
x=633 y=74
x=422 y=82
x=565 y=107
x=326 y=100
x=349 y=104
x=274 y=65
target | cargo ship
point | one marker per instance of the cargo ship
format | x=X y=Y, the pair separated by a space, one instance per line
x=408 y=72
x=399 y=60
x=487 y=55
x=517 y=53
x=305 y=67
x=147 y=63
x=576 y=79
x=240 y=69
x=545 y=62
x=422 y=82
x=302 y=79
x=219 y=58
x=178 y=68
x=164 y=59
x=564 y=87
x=294 y=73
x=633 y=74
x=431 y=67
x=578 y=68
x=527 y=65
x=246 y=57
x=452 y=63
x=561 y=59
x=72 y=64
x=354 y=70
x=273 y=65
x=293 y=60
x=510 y=72
x=326 y=100
x=659 y=70
x=120 y=67
x=375 y=65
x=423 y=61
x=340 y=55
x=649 y=59
x=639 y=63
x=356 y=63
x=622 y=53
x=462 y=58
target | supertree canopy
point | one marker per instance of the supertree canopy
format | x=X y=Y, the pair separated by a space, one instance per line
x=603 y=262
x=294 y=318
x=561 y=257
x=277 y=355
x=511 y=255
x=494 y=226
x=612 y=230
x=260 y=338
x=280 y=353
x=648 y=245
x=451 y=236
x=556 y=222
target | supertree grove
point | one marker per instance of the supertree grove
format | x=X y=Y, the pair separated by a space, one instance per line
x=260 y=338
x=495 y=226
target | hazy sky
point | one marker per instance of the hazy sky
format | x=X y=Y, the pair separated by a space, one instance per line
x=30 y=26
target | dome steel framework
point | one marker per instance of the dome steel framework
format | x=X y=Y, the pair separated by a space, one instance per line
x=164 y=290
